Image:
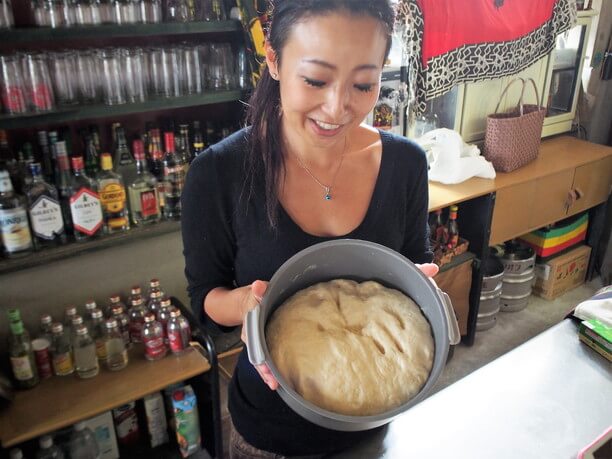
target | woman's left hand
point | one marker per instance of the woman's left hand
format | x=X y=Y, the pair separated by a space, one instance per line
x=429 y=269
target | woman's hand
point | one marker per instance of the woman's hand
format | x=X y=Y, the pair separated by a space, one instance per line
x=429 y=269
x=253 y=295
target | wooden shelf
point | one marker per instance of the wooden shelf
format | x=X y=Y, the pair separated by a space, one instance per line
x=62 y=401
x=75 y=248
x=40 y=35
x=86 y=112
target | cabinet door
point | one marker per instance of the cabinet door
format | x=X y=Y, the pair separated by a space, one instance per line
x=592 y=181
x=550 y=199
x=512 y=211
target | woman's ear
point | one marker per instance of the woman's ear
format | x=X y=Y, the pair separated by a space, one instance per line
x=271 y=60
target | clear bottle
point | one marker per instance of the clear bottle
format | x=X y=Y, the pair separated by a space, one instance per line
x=155 y=302
x=143 y=192
x=113 y=197
x=123 y=321
x=135 y=292
x=61 y=351
x=90 y=306
x=113 y=300
x=163 y=316
x=44 y=210
x=174 y=179
x=154 y=287
x=47 y=449
x=83 y=444
x=122 y=159
x=98 y=333
x=178 y=331
x=77 y=321
x=136 y=315
x=21 y=353
x=85 y=205
x=15 y=453
x=69 y=313
x=85 y=358
x=116 y=353
x=14 y=227
x=153 y=338
x=44 y=330
x=198 y=140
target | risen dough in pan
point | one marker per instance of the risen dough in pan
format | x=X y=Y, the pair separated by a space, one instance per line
x=352 y=348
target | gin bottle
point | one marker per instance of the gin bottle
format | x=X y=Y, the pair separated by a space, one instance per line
x=85 y=206
x=143 y=191
x=174 y=179
x=21 y=353
x=61 y=351
x=112 y=197
x=45 y=211
x=98 y=333
x=85 y=359
x=14 y=227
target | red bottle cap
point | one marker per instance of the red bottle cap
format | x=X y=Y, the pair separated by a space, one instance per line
x=169 y=141
x=138 y=149
x=77 y=163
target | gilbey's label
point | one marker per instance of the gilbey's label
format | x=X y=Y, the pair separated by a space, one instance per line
x=46 y=218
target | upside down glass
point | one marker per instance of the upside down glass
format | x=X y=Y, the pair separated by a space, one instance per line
x=134 y=71
x=39 y=91
x=6 y=15
x=171 y=72
x=192 y=69
x=86 y=76
x=112 y=83
x=62 y=66
x=12 y=86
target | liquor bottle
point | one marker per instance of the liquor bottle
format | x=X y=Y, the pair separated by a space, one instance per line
x=153 y=338
x=155 y=302
x=25 y=157
x=113 y=197
x=136 y=315
x=178 y=331
x=53 y=139
x=440 y=232
x=44 y=330
x=123 y=159
x=6 y=155
x=163 y=315
x=198 y=140
x=453 y=228
x=85 y=359
x=64 y=184
x=95 y=136
x=69 y=313
x=135 y=292
x=143 y=192
x=92 y=157
x=156 y=167
x=85 y=205
x=184 y=150
x=174 y=179
x=45 y=211
x=14 y=227
x=46 y=157
x=98 y=333
x=211 y=133
x=116 y=354
x=21 y=353
x=118 y=313
x=61 y=351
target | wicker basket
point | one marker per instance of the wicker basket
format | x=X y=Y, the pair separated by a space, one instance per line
x=443 y=255
x=512 y=139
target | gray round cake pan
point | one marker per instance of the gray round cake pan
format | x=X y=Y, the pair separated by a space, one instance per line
x=360 y=261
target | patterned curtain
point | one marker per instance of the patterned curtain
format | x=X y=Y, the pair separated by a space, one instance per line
x=448 y=42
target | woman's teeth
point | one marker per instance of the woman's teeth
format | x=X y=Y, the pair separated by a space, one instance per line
x=326 y=126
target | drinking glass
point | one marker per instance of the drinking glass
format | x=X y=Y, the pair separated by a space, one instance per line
x=87 y=12
x=39 y=91
x=180 y=11
x=243 y=72
x=62 y=66
x=192 y=69
x=171 y=74
x=151 y=11
x=86 y=73
x=134 y=70
x=126 y=11
x=7 y=20
x=12 y=86
x=213 y=10
x=112 y=76
x=68 y=12
x=106 y=11
x=155 y=69
x=220 y=69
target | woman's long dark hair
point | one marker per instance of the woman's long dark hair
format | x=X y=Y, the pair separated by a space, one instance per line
x=264 y=115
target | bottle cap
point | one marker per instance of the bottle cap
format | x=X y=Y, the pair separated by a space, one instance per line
x=57 y=327
x=175 y=312
x=117 y=309
x=136 y=290
x=165 y=302
x=70 y=310
x=115 y=298
x=96 y=313
x=46 y=319
x=91 y=304
x=14 y=315
x=149 y=317
x=156 y=294
x=35 y=169
x=106 y=161
x=454 y=208
x=46 y=441
x=77 y=163
x=111 y=323
x=80 y=426
x=137 y=300
x=77 y=320
x=178 y=395
x=154 y=282
x=138 y=149
x=81 y=330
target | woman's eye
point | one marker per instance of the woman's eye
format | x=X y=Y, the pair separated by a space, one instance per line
x=314 y=83
x=364 y=87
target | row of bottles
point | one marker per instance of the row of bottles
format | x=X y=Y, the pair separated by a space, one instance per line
x=80 y=344
x=82 y=444
x=444 y=236
x=44 y=204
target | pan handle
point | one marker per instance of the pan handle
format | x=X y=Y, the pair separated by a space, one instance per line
x=254 y=347
x=454 y=335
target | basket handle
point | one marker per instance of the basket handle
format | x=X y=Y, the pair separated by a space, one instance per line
x=520 y=103
x=535 y=89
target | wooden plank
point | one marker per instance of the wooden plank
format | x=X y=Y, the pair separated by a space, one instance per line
x=62 y=401
x=228 y=361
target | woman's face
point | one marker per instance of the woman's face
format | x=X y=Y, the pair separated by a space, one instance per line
x=329 y=77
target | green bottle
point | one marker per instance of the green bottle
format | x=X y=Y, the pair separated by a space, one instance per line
x=21 y=353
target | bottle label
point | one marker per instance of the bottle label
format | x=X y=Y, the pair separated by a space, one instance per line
x=112 y=196
x=174 y=176
x=15 y=230
x=136 y=331
x=46 y=218
x=154 y=347
x=148 y=203
x=101 y=349
x=453 y=240
x=62 y=364
x=5 y=183
x=86 y=211
x=176 y=340
x=22 y=368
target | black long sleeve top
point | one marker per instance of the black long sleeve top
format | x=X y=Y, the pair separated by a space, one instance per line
x=229 y=243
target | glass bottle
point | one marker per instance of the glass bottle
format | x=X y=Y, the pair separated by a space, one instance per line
x=116 y=354
x=178 y=331
x=45 y=211
x=90 y=306
x=163 y=316
x=47 y=449
x=85 y=358
x=69 y=313
x=61 y=351
x=135 y=292
x=143 y=191
x=45 y=155
x=153 y=338
x=453 y=228
x=184 y=149
x=156 y=166
x=63 y=181
x=85 y=205
x=155 y=302
x=113 y=300
x=14 y=227
x=136 y=315
x=441 y=232
x=77 y=321
x=124 y=323
x=44 y=330
x=25 y=160
x=98 y=333
x=21 y=353
x=123 y=160
x=113 y=197
x=174 y=179
x=83 y=444
x=92 y=157
x=198 y=140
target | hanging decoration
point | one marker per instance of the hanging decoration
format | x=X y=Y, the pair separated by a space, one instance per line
x=448 y=42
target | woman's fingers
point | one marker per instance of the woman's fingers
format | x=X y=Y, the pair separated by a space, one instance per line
x=429 y=269
x=267 y=376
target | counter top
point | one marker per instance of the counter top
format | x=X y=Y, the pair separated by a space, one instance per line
x=548 y=398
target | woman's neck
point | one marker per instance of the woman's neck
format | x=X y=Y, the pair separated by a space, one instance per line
x=322 y=157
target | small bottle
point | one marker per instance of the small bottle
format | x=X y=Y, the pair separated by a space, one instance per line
x=113 y=197
x=116 y=354
x=21 y=353
x=61 y=351
x=174 y=179
x=77 y=321
x=198 y=140
x=154 y=286
x=98 y=333
x=85 y=205
x=123 y=321
x=45 y=327
x=163 y=316
x=440 y=231
x=137 y=316
x=113 y=300
x=155 y=302
x=69 y=313
x=85 y=358
x=143 y=191
x=14 y=227
x=153 y=338
x=135 y=292
x=83 y=444
x=90 y=306
x=453 y=228
x=47 y=449
x=178 y=331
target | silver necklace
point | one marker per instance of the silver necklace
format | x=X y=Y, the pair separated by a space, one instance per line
x=327 y=188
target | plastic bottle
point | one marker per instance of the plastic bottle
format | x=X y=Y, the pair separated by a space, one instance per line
x=83 y=443
x=48 y=450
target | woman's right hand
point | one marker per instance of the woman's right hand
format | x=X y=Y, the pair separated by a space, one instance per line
x=253 y=296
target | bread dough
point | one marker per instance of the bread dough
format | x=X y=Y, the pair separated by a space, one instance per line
x=352 y=348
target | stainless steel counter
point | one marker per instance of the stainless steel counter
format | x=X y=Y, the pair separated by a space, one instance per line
x=548 y=398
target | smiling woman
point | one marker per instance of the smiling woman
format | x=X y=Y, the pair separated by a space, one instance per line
x=306 y=170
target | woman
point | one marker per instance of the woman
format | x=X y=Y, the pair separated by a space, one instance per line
x=306 y=170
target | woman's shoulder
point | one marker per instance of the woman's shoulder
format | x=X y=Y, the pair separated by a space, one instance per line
x=402 y=148
x=225 y=154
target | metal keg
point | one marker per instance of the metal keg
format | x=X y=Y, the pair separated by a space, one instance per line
x=519 y=275
x=493 y=273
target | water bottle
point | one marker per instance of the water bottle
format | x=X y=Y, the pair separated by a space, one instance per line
x=48 y=450
x=83 y=443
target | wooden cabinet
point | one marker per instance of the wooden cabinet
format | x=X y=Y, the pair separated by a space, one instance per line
x=512 y=211
x=592 y=183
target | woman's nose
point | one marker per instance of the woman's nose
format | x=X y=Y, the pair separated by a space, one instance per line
x=337 y=103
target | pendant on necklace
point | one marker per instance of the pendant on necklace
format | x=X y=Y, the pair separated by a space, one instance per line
x=327 y=193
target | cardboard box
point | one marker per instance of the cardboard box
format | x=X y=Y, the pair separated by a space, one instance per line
x=104 y=430
x=557 y=238
x=562 y=273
